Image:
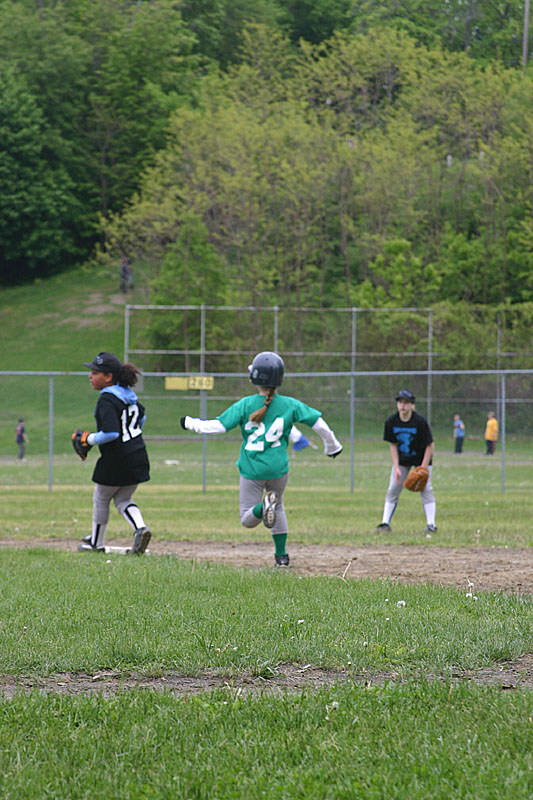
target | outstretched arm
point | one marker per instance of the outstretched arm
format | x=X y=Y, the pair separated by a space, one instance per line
x=202 y=425
x=332 y=446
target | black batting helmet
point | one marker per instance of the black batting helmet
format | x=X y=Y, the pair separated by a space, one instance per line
x=267 y=369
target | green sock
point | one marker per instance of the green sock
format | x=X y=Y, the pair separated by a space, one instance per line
x=257 y=510
x=280 y=540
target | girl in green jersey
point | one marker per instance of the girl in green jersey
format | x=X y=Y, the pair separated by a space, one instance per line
x=267 y=423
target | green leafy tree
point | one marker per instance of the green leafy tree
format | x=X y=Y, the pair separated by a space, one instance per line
x=191 y=273
x=356 y=81
x=314 y=20
x=36 y=196
x=218 y=25
x=105 y=77
x=486 y=29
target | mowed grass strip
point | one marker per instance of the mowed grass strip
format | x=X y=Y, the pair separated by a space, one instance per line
x=88 y=612
x=440 y=741
x=316 y=514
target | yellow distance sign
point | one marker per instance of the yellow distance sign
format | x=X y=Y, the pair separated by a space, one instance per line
x=204 y=382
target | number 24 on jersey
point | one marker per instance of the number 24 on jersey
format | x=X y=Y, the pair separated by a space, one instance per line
x=258 y=437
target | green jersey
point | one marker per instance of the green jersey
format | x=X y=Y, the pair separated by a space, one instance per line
x=264 y=448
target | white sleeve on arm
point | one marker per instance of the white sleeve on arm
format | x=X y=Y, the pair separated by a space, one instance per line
x=331 y=443
x=204 y=425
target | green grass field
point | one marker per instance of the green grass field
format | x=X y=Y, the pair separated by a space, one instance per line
x=419 y=737
x=472 y=510
x=424 y=735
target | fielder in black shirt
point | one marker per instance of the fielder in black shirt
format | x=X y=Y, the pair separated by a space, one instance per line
x=411 y=445
x=123 y=462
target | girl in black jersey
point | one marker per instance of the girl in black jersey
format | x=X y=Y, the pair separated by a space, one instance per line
x=123 y=462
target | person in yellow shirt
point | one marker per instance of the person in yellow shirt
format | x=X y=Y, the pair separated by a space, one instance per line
x=491 y=433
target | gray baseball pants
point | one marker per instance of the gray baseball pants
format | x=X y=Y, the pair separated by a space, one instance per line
x=251 y=493
x=121 y=496
x=395 y=488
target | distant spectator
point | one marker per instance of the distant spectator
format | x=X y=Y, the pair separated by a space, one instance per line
x=126 y=275
x=491 y=433
x=458 y=433
x=21 y=439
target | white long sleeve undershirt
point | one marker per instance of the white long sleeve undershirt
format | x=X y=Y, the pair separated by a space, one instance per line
x=204 y=425
x=331 y=443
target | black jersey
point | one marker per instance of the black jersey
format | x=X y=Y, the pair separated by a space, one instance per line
x=411 y=437
x=124 y=461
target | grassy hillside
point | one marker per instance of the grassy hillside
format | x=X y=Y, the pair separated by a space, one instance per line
x=57 y=323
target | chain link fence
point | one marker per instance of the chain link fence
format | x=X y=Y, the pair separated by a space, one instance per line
x=355 y=404
x=195 y=338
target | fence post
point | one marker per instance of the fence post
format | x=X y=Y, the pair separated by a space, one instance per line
x=276 y=328
x=352 y=399
x=203 y=398
x=126 y=334
x=430 y=363
x=503 y=431
x=50 y=431
x=498 y=366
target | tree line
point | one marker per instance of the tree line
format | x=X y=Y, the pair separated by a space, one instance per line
x=301 y=153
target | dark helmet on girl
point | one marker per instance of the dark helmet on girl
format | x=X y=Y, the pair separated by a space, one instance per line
x=267 y=369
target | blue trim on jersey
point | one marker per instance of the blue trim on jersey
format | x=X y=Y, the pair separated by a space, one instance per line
x=124 y=393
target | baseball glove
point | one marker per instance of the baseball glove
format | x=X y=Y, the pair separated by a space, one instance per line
x=417 y=479
x=79 y=443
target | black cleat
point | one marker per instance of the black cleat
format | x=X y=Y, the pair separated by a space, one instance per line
x=431 y=529
x=140 y=541
x=384 y=527
x=85 y=546
x=282 y=561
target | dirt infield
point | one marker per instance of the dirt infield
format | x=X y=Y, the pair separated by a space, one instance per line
x=487 y=568
x=477 y=569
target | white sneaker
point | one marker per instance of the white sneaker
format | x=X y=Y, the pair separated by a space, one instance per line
x=269 y=509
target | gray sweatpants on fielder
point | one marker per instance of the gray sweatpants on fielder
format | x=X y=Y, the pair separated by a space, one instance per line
x=393 y=492
x=251 y=493
x=122 y=497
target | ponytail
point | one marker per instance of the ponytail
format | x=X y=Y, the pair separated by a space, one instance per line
x=128 y=375
x=257 y=416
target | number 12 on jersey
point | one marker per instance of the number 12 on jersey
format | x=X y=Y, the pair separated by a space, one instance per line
x=129 y=419
x=256 y=440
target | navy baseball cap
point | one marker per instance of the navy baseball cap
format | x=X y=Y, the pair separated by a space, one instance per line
x=105 y=362
x=405 y=394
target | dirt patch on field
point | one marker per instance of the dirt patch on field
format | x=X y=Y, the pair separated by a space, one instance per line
x=282 y=679
x=484 y=568
x=472 y=569
x=467 y=569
